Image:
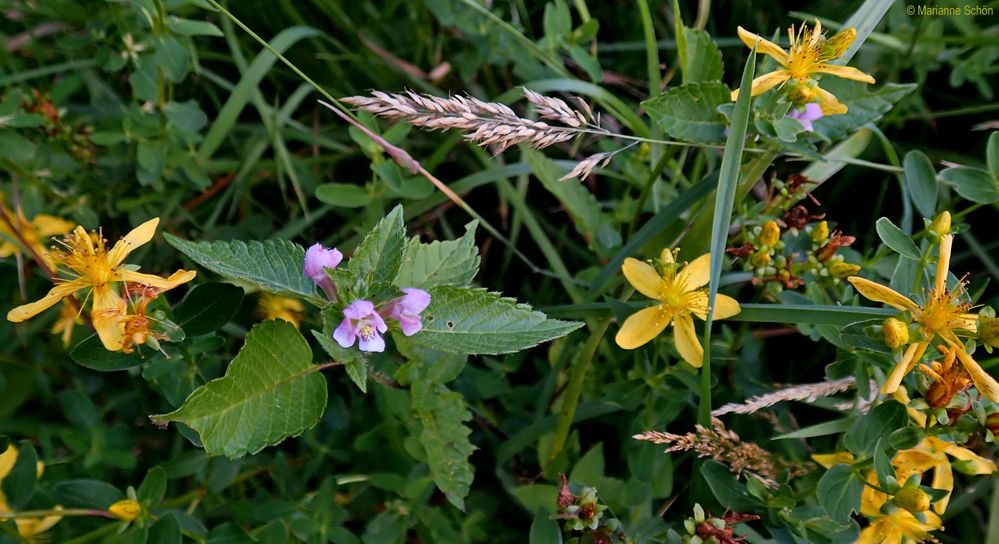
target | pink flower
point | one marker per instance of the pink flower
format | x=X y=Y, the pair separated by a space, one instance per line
x=811 y=112
x=317 y=260
x=406 y=309
x=362 y=322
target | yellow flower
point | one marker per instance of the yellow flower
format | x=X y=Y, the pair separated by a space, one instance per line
x=95 y=269
x=27 y=527
x=770 y=234
x=68 y=318
x=809 y=54
x=680 y=293
x=931 y=454
x=278 y=307
x=41 y=227
x=898 y=527
x=126 y=509
x=896 y=333
x=940 y=316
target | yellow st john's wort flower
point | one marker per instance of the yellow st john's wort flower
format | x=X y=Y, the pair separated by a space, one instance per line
x=940 y=316
x=932 y=453
x=681 y=292
x=33 y=232
x=810 y=54
x=27 y=527
x=278 y=307
x=68 y=318
x=94 y=268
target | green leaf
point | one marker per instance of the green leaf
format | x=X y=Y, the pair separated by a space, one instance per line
x=475 y=321
x=186 y=116
x=703 y=60
x=270 y=391
x=451 y=262
x=153 y=487
x=894 y=238
x=972 y=184
x=826 y=428
x=544 y=530
x=92 y=354
x=379 y=255
x=15 y=146
x=992 y=154
x=583 y=207
x=272 y=265
x=442 y=414
x=866 y=433
x=353 y=360
x=189 y=27
x=173 y=58
x=208 y=307
x=19 y=484
x=921 y=179
x=86 y=494
x=864 y=105
x=839 y=492
x=727 y=489
x=882 y=466
x=690 y=113
x=343 y=195
x=165 y=531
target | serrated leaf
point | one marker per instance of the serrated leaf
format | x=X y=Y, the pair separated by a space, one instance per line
x=864 y=104
x=897 y=240
x=379 y=255
x=703 y=60
x=442 y=414
x=270 y=391
x=272 y=265
x=451 y=262
x=579 y=201
x=208 y=307
x=972 y=184
x=475 y=321
x=839 y=492
x=689 y=112
x=921 y=179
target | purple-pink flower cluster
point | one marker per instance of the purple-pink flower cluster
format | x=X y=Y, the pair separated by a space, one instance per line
x=362 y=321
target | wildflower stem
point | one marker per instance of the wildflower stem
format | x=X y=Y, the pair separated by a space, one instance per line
x=29 y=514
x=577 y=375
x=96 y=534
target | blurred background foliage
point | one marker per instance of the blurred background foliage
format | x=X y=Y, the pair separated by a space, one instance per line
x=113 y=112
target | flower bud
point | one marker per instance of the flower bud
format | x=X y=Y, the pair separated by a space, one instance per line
x=820 y=232
x=941 y=225
x=992 y=422
x=988 y=330
x=770 y=234
x=760 y=259
x=913 y=499
x=896 y=333
x=841 y=269
x=126 y=510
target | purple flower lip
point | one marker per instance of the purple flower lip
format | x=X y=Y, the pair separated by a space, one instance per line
x=811 y=112
x=317 y=260
x=361 y=323
x=407 y=308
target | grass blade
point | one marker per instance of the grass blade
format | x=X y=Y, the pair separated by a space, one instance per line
x=728 y=181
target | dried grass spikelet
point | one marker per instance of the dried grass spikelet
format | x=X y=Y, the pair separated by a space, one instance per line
x=585 y=167
x=805 y=393
x=726 y=447
x=485 y=123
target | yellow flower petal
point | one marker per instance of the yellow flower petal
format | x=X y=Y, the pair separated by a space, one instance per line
x=137 y=237
x=943 y=263
x=725 y=306
x=985 y=383
x=976 y=464
x=765 y=82
x=48 y=225
x=827 y=460
x=126 y=509
x=943 y=478
x=871 y=501
x=107 y=314
x=912 y=354
x=846 y=72
x=57 y=293
x=685 y=339
x=764 y=46
x=880 y=293
x=696 y=273
x=643 y=277
x=7 y=460
x=33 y=527
x=828 y=103
x=641 y=327
x=968 y=322
x=163 y=284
